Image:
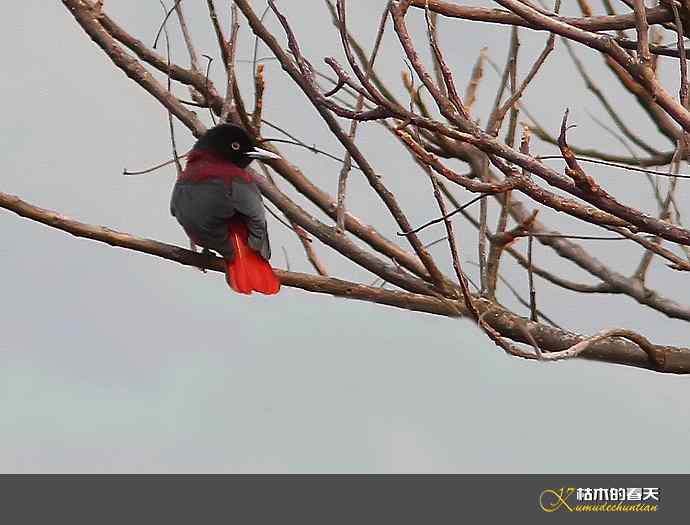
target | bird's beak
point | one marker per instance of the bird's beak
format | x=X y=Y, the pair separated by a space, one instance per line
x=262 y=154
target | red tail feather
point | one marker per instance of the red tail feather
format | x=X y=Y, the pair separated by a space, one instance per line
x=249 y=271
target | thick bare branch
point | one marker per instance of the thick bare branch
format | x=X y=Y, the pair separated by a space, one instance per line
x=655 y=15
x=667 y=359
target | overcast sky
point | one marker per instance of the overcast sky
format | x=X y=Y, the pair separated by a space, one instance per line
x=114 y=361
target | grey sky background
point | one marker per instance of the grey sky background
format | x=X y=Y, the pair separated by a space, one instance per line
x=113 y=361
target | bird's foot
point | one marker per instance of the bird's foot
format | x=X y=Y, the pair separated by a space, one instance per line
x=193 y=246
x=209 y=256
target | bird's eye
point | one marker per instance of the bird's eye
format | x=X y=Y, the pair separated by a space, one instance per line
x=235 y=146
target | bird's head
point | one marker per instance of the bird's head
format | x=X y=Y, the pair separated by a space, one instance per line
x=232 y=143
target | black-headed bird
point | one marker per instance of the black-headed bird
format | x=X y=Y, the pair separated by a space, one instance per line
x=218 y=203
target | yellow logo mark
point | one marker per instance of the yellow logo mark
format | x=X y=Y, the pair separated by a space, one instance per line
x=551 y=500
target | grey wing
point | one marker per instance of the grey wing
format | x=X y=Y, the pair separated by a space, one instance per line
x=203 y=210
x=247 y=200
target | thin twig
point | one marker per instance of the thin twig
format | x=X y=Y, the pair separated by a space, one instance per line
x=168 y=12
x=154 y=168
x=444 y=217
x=642 y=26
x=347 y=164
x=616 y=165
x=193 y=56
x=530 y=276
x=209 y=60
x=171 y=125
x=259 y=87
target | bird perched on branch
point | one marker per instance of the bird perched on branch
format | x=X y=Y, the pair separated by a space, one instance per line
x=218 y=203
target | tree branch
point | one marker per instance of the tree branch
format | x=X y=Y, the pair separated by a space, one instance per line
x=667 y=359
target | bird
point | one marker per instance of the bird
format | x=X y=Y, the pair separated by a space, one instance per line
x=217 y=202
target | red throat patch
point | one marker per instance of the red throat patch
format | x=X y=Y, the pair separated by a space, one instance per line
x=203 y=165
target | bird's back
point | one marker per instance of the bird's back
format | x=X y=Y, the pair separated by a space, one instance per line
x=201 y=200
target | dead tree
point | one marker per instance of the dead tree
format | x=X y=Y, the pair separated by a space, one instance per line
x=436 y=124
